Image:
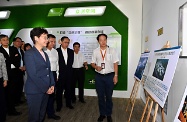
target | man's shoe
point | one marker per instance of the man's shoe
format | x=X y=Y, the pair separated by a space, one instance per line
x=109 y=119
x=101 y=118
x=70 y=107
x=55 y=117
x=14 y=113
x=82 y=101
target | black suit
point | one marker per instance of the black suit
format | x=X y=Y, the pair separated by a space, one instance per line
x=65 y=77
x=12 y=58
x=18 y=75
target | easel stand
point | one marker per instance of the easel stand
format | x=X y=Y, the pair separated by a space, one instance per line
x=133 y=97
x=149 y=98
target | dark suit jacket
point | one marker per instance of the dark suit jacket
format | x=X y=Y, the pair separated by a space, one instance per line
x=22 y=57
x=65 y=71
x=12 y=58
x=39 y=75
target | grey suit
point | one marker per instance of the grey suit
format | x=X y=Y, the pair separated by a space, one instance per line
x=3 y=76
x=3 y=70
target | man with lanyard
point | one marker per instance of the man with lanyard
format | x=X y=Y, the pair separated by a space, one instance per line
x=105 y=63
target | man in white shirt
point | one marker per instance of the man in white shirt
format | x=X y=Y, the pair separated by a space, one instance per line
x=78 y=73
x=105 y=63
x=53 y=58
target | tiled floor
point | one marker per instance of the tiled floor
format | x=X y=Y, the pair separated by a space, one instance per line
x=88 y=112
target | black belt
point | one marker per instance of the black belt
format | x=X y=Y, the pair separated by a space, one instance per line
x=105 y=74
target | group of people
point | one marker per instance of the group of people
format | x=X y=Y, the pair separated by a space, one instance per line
x=52 y=73
x=12 y=70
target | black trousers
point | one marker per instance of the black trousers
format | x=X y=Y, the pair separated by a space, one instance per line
x=61 y=85
x=19 y=84
x=2 y=102
x=10 y=91
x=78 y=77
x=14 y=89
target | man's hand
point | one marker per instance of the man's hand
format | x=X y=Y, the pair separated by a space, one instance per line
x=22 y=68
x=5 y=83
x=50 y=90
x=115 y=79
x=86 y=67
x=98 y=68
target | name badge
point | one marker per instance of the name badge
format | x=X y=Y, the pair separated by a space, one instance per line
x=103 y=65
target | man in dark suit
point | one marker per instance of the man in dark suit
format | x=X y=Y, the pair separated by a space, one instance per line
x=12 y=59
x=19 y=72
x=40 y=80
x=66 y=57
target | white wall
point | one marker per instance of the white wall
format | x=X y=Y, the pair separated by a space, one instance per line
x=165 y=13
x=133 y=10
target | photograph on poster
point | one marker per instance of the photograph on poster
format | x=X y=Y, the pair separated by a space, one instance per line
x=181 y=115
x=141 y=66
x=160 y=68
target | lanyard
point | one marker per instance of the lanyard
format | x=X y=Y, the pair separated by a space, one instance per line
x=103 y=56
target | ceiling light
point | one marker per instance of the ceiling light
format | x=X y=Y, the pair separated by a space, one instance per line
x=4 y=14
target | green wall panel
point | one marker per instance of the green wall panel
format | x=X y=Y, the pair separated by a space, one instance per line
x=36 y=15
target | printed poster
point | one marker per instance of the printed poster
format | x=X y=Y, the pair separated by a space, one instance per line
x=161 y=73
x=141 y=66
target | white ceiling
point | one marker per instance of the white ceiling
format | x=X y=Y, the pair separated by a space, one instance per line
x=32 y=2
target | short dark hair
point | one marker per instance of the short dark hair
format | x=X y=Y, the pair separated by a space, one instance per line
x=26 y=45
x=76 y=43
x=38 y=31
x=3 y=36
x=64 y=37
x=16 y=39
x=51 y=36
x=101 y=35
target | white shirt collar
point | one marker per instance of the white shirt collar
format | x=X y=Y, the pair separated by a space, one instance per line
x=64 y=50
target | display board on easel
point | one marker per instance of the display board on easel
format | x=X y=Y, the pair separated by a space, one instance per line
x=138 y=77
x=161 y=73
x=160 y=77
x=141 y=66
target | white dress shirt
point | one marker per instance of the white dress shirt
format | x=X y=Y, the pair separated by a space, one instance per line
x=21 y=63
x=53 y=58
x=65 y=54
x=79 y=60
x=110 y=58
